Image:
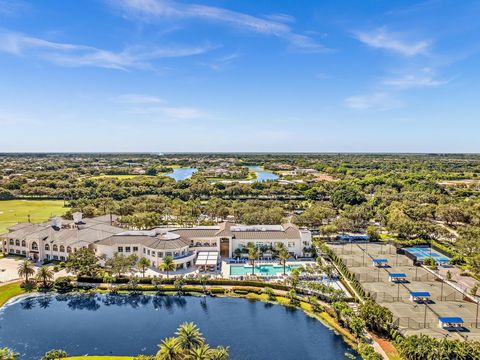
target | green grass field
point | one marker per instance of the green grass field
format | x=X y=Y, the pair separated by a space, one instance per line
x=15 y=211
x=9 y=291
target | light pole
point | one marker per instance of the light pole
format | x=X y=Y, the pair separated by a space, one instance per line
x=476 y=316
x=398 y=292
x=416 y=271
x=441 y=292
x=425 y=316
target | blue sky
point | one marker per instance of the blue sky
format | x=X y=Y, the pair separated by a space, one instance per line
x=319 y=76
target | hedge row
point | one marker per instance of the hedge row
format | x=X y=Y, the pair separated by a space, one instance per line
x=346 y=273
x=225 y=282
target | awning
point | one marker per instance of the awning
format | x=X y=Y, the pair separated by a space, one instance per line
x=420 y=294
x=380 y=261
x=451 y=320
x=207 y=258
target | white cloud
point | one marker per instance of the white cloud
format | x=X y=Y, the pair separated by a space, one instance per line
x=381 y=38
x=373 y=102
x=424 y=78
x=273 y=26
x=138 y=99
x=142 y=104
x=65 y=54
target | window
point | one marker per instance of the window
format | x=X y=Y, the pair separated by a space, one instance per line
x=144 y=250
x=55 y=247
x=47 y=256
x=148 y=252
x=12 y=242
x=62 y=248
x=168 y=254
x=127 y=249
x=55 y=257
x=160 y=254
x=24 y=252
x=135 y=248
x=47 y=247
x=62 y=258
x=24 y=243
x=120 y=249
x=17 y=242
x=11 y=251
x=69 y=249
x=34 y=246
x=17 y=252
x=291 y=244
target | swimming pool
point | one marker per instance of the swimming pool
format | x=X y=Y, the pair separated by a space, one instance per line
x=424 y=252
x=265 y=270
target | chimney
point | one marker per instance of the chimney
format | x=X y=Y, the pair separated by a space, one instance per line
x=77 y=217
x=57 y=222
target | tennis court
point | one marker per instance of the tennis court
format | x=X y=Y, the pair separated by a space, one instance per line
x=421 y=253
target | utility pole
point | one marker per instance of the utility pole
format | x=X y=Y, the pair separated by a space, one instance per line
x=441 y=292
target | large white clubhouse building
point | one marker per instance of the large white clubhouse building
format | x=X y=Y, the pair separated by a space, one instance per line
x=56 y=239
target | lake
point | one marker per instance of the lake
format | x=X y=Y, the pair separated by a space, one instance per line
x=263 y=175
x=102 y=324
x=181 y=173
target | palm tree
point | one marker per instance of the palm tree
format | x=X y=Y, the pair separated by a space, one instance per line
x=220 y=353
x=202 y=352
x=143 y=264
x=252 y=255
x=169 y=350
x=25 y=269
x=45 y=275
x=283 y=255
x=189 y=336
x=167 y=264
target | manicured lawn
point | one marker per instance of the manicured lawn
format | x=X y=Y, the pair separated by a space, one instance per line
x=15 y=211
x=9 y=291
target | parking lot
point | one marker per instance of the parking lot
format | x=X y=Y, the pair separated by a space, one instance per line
x=412 y=317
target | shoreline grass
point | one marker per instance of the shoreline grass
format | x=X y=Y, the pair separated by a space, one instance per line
x=9 y=291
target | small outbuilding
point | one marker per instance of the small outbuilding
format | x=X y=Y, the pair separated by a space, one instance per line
x=397 y=277
x=423 y=296
x=379 y=262
x=450 y=322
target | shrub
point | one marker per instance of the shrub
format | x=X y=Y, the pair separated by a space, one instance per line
x=54 y=355
x=63 y=284
x=269 y=292
x=367 y=352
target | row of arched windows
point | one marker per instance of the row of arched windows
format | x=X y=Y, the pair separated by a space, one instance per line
x=55 y=247
x=17 y=242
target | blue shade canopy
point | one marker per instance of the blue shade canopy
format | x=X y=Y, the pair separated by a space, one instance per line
x=452 y=319
x=420 y=293
x=398 y=275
